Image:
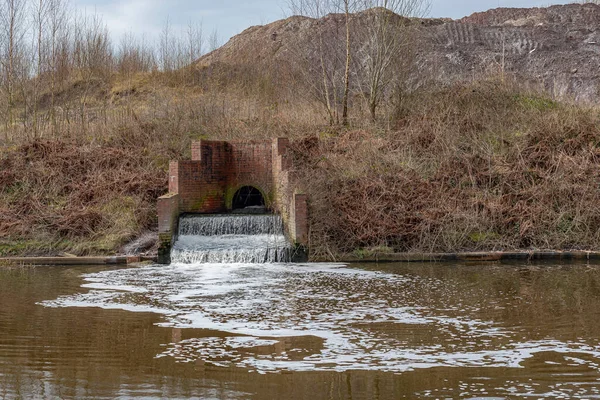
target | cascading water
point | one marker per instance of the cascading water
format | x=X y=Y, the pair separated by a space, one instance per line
x=220 y=239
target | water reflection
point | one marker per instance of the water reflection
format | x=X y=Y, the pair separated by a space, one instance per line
x=91 y=352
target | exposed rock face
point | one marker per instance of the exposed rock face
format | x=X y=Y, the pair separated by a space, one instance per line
x=555 y=48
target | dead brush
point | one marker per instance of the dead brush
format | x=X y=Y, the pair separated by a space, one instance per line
x=66 y=192
x=483 y=166
x=471 y=167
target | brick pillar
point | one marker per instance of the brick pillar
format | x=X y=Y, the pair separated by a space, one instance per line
x=301 y=219
x=197 y=150
x=174 y=177
x=168 y=219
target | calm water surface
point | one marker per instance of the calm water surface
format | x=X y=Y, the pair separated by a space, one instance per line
x=313 y=332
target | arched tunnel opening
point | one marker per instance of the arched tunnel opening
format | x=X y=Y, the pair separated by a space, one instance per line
x=248 y=197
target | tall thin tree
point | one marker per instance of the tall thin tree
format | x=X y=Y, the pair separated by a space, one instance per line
x=348 y=60
x=326 y=54
x=12 y=26
x=386 y=36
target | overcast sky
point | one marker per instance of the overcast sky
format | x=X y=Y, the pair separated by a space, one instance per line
x=230 y=17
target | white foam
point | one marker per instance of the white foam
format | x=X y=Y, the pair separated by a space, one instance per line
x=336 y=307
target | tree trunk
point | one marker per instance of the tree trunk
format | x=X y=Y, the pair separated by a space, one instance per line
x=325 y=83
x=347 y=73
x=373 y=110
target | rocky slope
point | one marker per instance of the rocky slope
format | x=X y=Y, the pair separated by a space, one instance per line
x=555 y=48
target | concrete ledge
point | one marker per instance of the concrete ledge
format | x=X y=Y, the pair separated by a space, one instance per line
x=475 y=256
x=350 y=258
x=119 y=260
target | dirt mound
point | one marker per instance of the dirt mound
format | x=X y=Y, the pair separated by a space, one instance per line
x=556 y=48
x=578 y=15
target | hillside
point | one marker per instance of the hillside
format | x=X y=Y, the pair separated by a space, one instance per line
x=460 y=155
x=554 y=48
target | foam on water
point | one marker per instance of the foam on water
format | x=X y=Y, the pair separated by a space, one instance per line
x=231 y=239
x=314 y=317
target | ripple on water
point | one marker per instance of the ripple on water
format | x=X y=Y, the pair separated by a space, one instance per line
x=317 y=317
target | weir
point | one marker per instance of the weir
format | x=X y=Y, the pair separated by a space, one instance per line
x=222 y=239
x=228 y=178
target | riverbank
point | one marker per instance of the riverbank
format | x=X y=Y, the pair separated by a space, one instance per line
x=70 y=261
x=471 y=256
x=348 y=259
x=465 y=168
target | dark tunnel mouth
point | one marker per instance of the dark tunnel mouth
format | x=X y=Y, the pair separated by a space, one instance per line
x=247 y=196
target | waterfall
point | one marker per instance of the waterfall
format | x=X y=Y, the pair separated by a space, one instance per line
x=231 y=239
x=219 y=225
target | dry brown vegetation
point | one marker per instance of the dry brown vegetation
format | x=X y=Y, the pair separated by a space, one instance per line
x=472 y=166
x=87 y=183
x=58 y=195
x=480 y=166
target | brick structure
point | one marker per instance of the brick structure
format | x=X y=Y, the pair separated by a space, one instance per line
x=218 y=170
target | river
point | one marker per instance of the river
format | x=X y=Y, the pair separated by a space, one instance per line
x=301 y=331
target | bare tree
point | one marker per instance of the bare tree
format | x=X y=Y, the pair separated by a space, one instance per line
x=41 y=12
x=165 y=47
x=214 y=41
x=195 y=41
x=348 y=60
x=45 y=47
x=134 y=55
x=326 y=52
x=93 y=57
x=59 y=49
x=12 y=31
x=386 y=35
x=176 y=50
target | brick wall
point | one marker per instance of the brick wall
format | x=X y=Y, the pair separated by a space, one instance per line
x=292 y=206
x=300 y=221
x=251 y=165
x=208 y=182
x=168 y=211
x=168 y=219
x=281 y=163
x=174 y=177
x=202 y=183
x=197 y=150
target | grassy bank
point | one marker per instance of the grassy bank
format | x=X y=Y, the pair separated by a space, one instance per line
x=471 y=167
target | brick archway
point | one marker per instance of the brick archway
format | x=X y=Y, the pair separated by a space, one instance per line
x=247 y=196
x=209 y=182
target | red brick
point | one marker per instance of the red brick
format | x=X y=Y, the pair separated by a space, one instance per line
x=219 y=167
x=301 y=219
